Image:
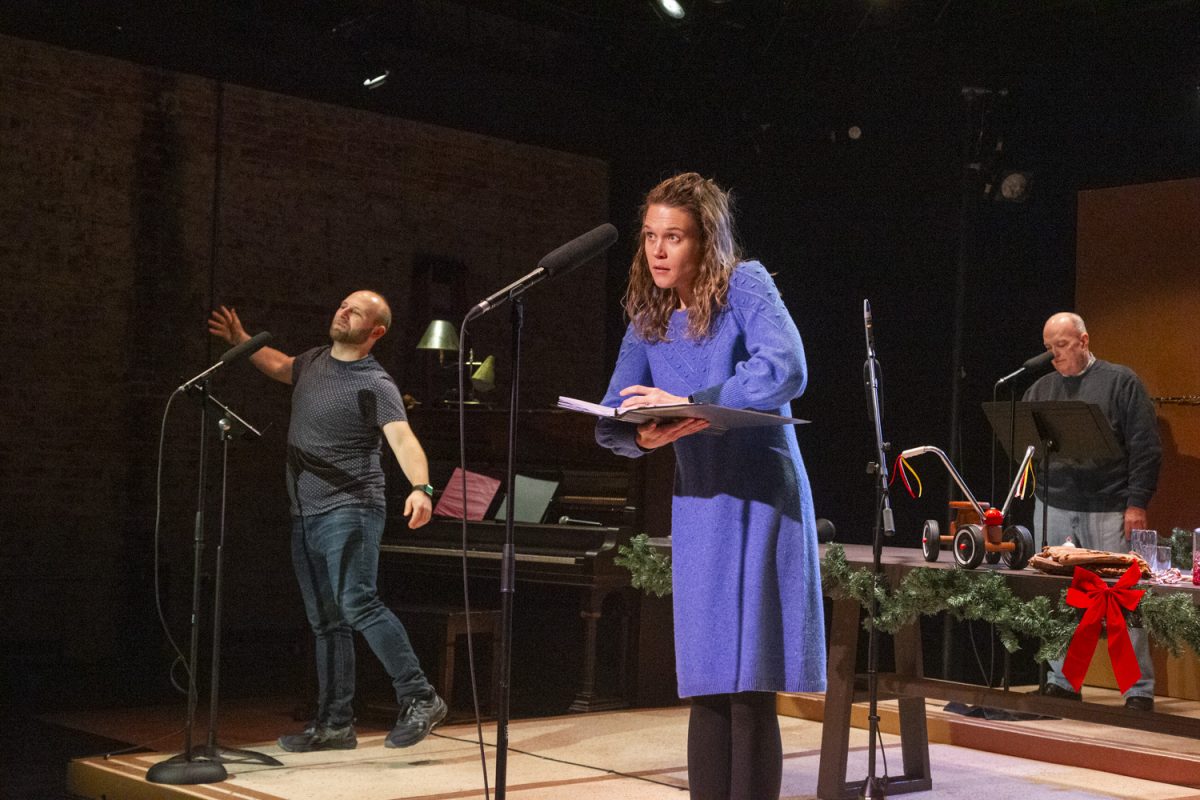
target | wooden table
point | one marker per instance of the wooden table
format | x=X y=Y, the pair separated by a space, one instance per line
x=909 y=684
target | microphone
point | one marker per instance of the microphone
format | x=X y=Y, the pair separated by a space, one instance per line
x=870 y=329
x=1035 y=365
x=246 y=348
x=870 y=366
x=578 y=251
x=825 y=530
x=235 y=353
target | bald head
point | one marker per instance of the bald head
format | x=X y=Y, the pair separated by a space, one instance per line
x=360 y=320
x=1066 y=336
x=383 y=312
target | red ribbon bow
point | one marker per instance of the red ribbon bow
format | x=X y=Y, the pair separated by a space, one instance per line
x=1103 y=602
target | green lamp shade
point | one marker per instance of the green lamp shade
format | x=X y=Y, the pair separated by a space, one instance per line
x=440 y=335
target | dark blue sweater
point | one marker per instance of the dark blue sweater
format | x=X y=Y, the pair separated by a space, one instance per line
x=1115 y=484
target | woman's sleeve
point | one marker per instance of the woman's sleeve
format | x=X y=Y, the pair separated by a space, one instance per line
x=775 y=370
x=632 y=368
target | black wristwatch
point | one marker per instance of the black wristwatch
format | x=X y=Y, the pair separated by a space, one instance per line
x=422 y=487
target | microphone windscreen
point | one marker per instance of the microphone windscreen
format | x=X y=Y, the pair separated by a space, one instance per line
x=246 y=348
x=579 y=250
x=825 y=530
x=1040 y=361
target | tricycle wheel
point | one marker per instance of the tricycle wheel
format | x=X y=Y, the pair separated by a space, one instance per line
x=1022 y=550
x=968 y=546
x=931 y=540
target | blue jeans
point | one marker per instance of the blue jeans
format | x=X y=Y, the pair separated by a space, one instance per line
x=336 y=557
x=1098 y=530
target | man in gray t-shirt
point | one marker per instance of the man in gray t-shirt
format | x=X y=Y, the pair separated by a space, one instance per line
x=344 y=405
x=333 y=455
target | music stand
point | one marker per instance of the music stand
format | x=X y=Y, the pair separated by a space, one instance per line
x=1060 y=428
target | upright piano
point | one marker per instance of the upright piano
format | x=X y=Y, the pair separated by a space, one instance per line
x=602 y=500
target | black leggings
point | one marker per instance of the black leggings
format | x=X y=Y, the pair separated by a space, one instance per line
x=734 y=749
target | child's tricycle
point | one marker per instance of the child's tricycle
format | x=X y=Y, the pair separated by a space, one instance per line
x=977 y=531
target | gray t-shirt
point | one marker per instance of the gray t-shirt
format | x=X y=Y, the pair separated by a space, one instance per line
x=335 y=438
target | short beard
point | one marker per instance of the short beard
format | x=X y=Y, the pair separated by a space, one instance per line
x=348 y=336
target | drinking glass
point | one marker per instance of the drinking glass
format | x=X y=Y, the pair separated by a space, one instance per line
x=1144 y=542
x=1162 y=562
x=1196 y=556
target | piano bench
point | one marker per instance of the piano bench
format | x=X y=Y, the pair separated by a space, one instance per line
x=449 y=624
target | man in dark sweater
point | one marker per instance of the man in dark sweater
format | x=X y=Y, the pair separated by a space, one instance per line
x=1096 y=504
x=343 y=405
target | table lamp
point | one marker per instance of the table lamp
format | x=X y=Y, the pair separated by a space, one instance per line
x=439 y=336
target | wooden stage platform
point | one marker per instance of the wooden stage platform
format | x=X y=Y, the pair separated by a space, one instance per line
x=641 y=754
x=1097 y=749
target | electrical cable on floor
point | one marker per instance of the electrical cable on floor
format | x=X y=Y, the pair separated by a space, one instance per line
x=605 y=770
x=133 y=748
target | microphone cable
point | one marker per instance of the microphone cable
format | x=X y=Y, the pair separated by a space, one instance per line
x=462 y=461
x=162 y=618
x=559 y=261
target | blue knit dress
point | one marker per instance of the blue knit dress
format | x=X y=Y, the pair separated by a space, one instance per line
x=746 y=572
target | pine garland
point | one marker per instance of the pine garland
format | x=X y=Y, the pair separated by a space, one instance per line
x=1171 y=619
x=964 y=594
x=650 y=570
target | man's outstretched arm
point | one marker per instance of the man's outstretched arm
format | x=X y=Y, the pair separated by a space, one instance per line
x=224 y=324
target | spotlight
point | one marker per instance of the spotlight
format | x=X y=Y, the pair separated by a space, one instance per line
x=377 y=81
x=671 y=8
x=1014 y=187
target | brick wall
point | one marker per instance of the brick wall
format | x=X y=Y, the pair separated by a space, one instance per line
x=110 y=261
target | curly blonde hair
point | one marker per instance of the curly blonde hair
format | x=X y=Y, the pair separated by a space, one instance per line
x=648 y=307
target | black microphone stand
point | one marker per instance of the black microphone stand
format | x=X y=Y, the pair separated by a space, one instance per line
x=508 y=561
x=874 y=788
x=230 y=424
x=508 y=550
x=559 y=261
x=204 y=763
x=191 y=767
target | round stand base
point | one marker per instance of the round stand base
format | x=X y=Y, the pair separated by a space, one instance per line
x=180 y=772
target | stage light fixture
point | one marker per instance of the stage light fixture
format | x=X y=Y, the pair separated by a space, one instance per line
x=1014 y=187
x=377 y=81
x=671 y=8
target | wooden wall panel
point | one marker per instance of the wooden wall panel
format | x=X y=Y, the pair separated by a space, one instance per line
x=1138 y=288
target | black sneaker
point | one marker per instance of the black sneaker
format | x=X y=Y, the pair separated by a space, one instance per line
x=1139 y=702
x=319 y=737
x=1054 y=690
x=420 y=715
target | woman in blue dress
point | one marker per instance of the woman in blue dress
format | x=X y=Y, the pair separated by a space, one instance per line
x=707 y=327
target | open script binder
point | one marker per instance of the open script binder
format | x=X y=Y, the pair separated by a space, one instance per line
x=720 y=418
